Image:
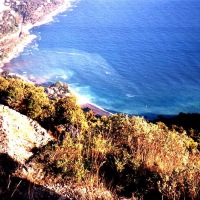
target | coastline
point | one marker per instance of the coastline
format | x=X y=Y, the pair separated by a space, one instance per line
x=19 y=48
x=27 y=37
x=96 y=109
x=81 y=101
x=63 y=7
x=85 y=104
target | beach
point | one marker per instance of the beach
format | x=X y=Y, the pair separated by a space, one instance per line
x=96 y=109
x=81 y=101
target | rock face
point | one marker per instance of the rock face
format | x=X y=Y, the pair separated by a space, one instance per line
x=19 y=134
x=58 y=90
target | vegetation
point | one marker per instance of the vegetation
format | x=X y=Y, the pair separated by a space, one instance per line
x=127 y=155
x=183 y=121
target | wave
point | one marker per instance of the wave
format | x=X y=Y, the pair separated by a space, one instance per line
x=130 y=95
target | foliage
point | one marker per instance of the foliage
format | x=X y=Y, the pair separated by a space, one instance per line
x=130 y=156
x=65 y=159
x=183 y=121
x=68 y=112
x=126 y=154
x=23 y=97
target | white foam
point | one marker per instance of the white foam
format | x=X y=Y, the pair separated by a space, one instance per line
x=130 y=95
x=32 y=77
x=81 y=99
x=64 y=76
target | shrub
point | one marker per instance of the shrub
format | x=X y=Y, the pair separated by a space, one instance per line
x=24 y=97
x=68 y=112
x=127 y=154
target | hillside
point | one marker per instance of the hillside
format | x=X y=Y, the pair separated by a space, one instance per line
x=53 y=148
x=88 y=157
x=28 y=134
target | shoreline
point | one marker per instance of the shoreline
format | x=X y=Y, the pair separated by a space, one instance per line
x=96 y=109
x=19 y=48
x=81 y=101
x=64 y=7
x=85 y=104
x=27 y=37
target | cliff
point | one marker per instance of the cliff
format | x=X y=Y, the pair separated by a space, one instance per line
x=20 y=134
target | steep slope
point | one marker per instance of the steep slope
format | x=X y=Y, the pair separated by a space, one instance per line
x=19 y=134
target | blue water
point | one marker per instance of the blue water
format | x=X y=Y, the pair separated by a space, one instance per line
x=139 y=57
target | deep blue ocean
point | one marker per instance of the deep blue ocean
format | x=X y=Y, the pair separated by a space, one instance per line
x=139 y=57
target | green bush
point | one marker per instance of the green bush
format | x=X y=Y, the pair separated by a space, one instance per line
x=23 y=97
x=127 y=154
x=68 y=112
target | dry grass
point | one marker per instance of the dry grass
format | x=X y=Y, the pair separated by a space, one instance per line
x=113 y=157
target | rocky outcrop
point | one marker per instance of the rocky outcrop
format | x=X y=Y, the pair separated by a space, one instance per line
x=19 y=134
x=58 y=90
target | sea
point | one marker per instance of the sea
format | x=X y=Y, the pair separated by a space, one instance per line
x=139 y=57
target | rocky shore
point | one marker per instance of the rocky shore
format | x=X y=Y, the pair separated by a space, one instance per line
x=61 y=90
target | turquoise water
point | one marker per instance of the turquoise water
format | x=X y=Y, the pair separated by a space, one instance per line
x=138 y=57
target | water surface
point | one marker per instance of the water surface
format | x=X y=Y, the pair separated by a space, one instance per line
x=138 y=57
